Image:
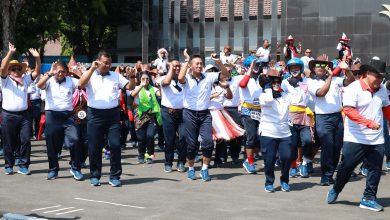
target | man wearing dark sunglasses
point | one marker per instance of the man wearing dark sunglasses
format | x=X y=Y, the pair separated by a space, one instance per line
x=16 y=126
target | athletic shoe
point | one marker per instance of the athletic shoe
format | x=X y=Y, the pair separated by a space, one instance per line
x=303 y=171
x=168 y=168
x=204 y=174
x=24 y=171
x=115 y=182
x=364 y=171
x=293 y=172
x=77 y=175
x=191 y=174
x=388 y=165
x=94 y=182
x=269 y=188
x=324 y=181
x=181 y=168
x=332 y=196
x=249 y=168
x=370 y=205
x=285 y=187
x=141 y=161
x=52 y=175
x=1 y=152
x=149 y=161
x=8 y=171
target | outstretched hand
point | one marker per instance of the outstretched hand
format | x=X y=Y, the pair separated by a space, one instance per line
x=186 y=56
x=34 y=52
x=11 y=47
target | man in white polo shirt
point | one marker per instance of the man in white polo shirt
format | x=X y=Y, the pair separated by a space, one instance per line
x=16 y=126
x=172 y=116
x=326 y=93
x=196 y=116
x=60 y=125
x=263 y=54
x=102 y=86
x=365 y=102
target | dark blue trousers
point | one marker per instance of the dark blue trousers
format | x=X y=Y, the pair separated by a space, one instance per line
x=271 y=146
x=83 y=141
x=301 y=137
x=101 y=123
x=35 y=115
x=330 y=131
x=198 y=123
x=16 y=130
x=387 y=138
x=59 y=126
x=251 y=127
x=145 y=137
x=173 y=126
x=353 y=154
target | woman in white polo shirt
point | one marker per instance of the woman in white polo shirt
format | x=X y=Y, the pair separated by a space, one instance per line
x=275 y=129
x=147 y=116
x=60 y=123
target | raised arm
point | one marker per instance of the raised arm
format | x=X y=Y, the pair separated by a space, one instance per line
x=87 y=75
x=321 y=92
x=168 y=78
x=42 y=81
x=7 y=58
x=184 y=67
x=131 y=74
x=225 y=74
x=37 y=58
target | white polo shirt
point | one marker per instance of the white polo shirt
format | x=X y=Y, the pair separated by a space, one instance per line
x=303 y=86
x=331 y=102
x=217 y=102
x=197 y=93
x=234 y=85
x=33 y=90
x=102 y=90
x=274 y=115
x=59 y=96
x=369 y=105
x=15 y=95
x=171 y=97
x=251 y=93
x=265 y=52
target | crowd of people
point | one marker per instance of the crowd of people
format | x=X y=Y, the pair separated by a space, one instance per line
x=282 y=111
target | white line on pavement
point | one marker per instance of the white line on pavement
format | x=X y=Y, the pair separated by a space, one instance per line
x=111 y=203
x=76 y=210
x=46 y=208
x=59 y=209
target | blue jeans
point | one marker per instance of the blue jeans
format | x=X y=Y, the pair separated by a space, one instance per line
x=101 y=123
x=172 y=124
x=272 y=146
x=198 y=123
x=16 y=130
x=58 y=127
x=353 y=154
x=330 y=131
x=301 y=136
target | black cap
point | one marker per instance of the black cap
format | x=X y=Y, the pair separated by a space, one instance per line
x=375 y=66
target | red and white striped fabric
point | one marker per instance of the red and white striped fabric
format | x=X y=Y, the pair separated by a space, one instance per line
x=224 y=127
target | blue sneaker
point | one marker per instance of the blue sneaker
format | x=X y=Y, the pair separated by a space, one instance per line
x=77 y=175
x=24 y=171
x=115 y=182
x=324 y=181
x=310 y=168
x=95 y=182
x=204 y=174
x=371 y=205
x=332 y=196
x=17 y=162
x=364 y=171
x=167 y=168
x=303 y=171
x=285 y=187
x=293 y=172
x=1 y=152
x=8 y=171
x=52 y=175
x=388 y=165
x=269 y=188
x=191 y=174
x=249 y=168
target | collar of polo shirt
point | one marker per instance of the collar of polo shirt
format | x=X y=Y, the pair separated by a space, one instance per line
x=105 y=74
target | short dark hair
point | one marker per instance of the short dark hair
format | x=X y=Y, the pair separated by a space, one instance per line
x=103 y=53
x=63 y=65
x=196 y=56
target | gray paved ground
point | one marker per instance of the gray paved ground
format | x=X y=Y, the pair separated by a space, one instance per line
x=149 y=193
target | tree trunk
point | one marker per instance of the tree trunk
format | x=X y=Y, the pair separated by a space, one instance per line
x=10 y=10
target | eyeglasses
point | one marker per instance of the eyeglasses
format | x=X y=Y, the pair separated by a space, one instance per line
x=144 y=78
x=16 y=69
x=307 y=51
x=323 y=65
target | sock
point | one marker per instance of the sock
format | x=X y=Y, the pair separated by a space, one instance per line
x=191 y=168
x=204 y=167
x=294 y=164
x=305 y=161
x=250 y=158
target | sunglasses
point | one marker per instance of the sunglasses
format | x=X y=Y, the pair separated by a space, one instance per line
x=308 y=52
x=323 y=65
x=16 y=69
x=144 y=78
